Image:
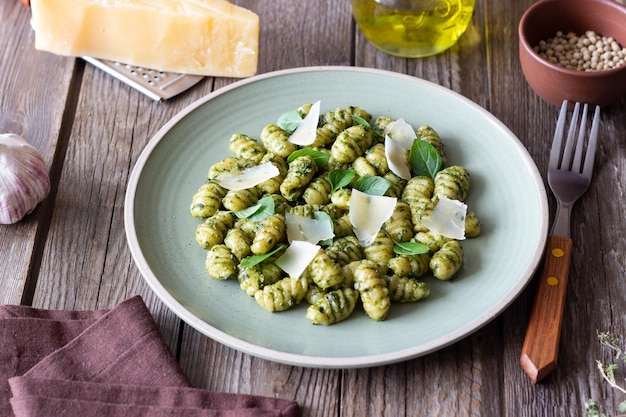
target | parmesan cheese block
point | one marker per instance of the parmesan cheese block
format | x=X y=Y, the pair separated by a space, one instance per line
x=202 y=37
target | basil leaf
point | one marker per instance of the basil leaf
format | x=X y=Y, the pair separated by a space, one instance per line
x=372 y=185
x=410 y=248
x=340 y=178
x=320 y=158
x=361 y=121
x=289 y=121
x=264 y=208
x=424 y=158
x=320 y=215
x=257 y=259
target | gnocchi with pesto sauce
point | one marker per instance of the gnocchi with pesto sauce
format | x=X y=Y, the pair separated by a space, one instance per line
x=247 y=230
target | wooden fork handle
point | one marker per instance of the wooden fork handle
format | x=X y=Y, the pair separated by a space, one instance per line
x=541 y=344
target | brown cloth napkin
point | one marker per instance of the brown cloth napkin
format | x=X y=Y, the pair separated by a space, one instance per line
x=104 y=363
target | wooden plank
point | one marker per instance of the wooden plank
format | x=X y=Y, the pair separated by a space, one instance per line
x=595 y=268
x=35 y=89
x=452 y=381
x=298 y=34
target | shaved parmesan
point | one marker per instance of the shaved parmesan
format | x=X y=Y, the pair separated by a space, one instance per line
x=397 y=158
x=248 y=178
x=447 y=218
x=297 y=257
x=308 y=230
x=306 y=133
x=368 y=213
x=402 y=132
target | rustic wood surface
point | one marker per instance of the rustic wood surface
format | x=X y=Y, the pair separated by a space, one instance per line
x=71 y=252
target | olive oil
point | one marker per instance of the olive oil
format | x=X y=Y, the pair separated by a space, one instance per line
x=430 y=27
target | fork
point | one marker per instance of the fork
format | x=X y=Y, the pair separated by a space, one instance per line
x=568 y=182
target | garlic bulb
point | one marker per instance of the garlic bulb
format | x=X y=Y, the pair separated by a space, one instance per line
x=24 y=180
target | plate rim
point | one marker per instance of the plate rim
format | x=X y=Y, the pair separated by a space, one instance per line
x=293 y=359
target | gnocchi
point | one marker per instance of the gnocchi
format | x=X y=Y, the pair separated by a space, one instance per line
x=344 y=272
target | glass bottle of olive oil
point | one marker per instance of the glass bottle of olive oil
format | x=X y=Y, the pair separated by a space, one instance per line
x=413 y=28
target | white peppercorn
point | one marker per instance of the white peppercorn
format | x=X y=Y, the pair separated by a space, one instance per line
x=587 y=52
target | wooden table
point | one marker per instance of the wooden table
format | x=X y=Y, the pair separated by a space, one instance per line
x=71 y=253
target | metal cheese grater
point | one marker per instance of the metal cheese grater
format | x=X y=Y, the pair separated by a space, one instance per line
x=158 y=85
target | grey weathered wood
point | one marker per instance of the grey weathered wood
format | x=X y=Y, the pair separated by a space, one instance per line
x=27 y=87
x=72 y=253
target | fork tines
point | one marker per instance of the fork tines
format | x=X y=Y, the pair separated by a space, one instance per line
x=574 y=142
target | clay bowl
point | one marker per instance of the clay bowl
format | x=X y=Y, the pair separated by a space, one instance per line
x=554 y=83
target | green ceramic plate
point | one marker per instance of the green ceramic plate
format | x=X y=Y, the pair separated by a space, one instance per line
x=507 y=194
